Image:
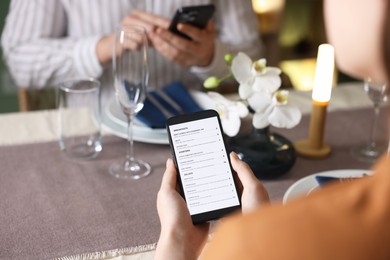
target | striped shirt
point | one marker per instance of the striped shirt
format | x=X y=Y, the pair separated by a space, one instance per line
x=48 y=41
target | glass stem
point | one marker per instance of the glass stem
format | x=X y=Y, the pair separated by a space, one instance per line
x=130 y=150
x=372 y=142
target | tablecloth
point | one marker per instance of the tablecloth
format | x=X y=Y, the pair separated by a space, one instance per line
x=55 y=207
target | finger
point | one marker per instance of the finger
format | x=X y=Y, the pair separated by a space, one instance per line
x=179 y=42
x=152 y=19
x=133 y=20
x=243 y=170
x=255 y=194
x=133 y=41
x=169 y=177
x=163 y=47
x=169 y=51
x=195 y=33
x=178 y=49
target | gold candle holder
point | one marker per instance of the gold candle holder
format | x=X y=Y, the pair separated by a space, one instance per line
x=314 y=147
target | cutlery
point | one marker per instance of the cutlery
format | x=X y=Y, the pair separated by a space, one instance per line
x=157 y=104
x=169 y=100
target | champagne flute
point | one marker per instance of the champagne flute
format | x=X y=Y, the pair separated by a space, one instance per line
x=130 y=70
x=379 y=94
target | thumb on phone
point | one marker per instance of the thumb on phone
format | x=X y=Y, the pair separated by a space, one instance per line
x=254 y=194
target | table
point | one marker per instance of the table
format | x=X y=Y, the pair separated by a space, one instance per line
x=56 y=208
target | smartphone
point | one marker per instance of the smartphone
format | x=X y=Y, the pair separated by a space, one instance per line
x=197 y=15
x=204 y=170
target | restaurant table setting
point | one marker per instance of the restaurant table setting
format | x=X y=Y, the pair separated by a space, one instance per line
x=56 y=207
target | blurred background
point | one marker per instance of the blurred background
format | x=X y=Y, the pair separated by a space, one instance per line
x=290 y=29
x=8 y=90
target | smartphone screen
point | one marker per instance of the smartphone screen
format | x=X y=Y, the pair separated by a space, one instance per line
x=203 y=165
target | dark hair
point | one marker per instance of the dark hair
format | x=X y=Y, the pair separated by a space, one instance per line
x=386 y=41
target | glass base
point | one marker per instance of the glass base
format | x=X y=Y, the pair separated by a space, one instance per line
x=133 y=170
x=368 y=153
x=83 y=151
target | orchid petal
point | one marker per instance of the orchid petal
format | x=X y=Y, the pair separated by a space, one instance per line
x=233 y=106
x=241 y=67
x=230 y=112
x=259 y=101
x=218 y=98
x=272 y=71
x=267 y=83
x=242 y=109
x=285 y=116
x=245 y=90
x=260 y=120
x=231 y=124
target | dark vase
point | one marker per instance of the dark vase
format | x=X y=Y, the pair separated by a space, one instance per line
x=270 y=155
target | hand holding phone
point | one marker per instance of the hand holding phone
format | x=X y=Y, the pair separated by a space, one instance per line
x=204 y=171
x=197 y=16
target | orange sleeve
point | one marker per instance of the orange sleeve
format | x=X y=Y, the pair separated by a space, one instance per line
x=342 y=221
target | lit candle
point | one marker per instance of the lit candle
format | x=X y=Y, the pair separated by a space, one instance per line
x=323 y=78
x=314 y=146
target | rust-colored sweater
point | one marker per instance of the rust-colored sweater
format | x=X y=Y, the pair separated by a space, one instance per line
x=342 y=221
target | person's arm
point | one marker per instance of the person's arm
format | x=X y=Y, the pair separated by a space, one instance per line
x=36 y=48
x=183 y=52
x=349 y=220
x=179 y=238
x=237 y=30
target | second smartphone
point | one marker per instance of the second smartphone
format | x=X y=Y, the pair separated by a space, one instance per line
x=197 y=15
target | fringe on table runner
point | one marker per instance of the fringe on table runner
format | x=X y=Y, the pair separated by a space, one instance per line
x=110 y=253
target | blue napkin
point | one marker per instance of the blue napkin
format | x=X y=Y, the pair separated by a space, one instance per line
x=322 y=180
x=174 y=99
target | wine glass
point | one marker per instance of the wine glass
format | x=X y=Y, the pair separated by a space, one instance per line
x=379 y=94
x=130 y=70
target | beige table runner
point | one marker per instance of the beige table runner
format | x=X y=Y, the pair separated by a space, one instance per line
x=52 y=206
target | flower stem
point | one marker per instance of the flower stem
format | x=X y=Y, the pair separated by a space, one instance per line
x=226 y=76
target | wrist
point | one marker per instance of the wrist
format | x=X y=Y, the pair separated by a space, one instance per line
x=173 y=245
x=206 y=61
x=216 y=65
x=104 y=49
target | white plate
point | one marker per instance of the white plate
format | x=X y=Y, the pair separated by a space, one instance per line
x=115 y=122
x=307 y=184
x=141 y=133
x=116 y=115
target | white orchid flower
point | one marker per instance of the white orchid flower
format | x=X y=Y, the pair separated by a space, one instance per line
x=277 y=112
x=230 y=113
x=254 y=76
x=260 y=101
x=259 y=87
